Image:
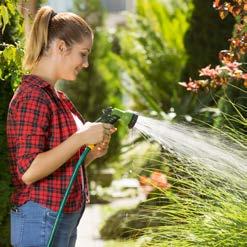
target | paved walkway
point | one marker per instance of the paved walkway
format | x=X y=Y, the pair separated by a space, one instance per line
x=88 y=229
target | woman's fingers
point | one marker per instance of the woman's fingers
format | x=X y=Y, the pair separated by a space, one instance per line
x=112 y=130
x=102 y=147
x=107 y=132
x=109 y=128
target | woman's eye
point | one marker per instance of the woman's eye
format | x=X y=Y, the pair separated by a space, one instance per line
x=83 y=54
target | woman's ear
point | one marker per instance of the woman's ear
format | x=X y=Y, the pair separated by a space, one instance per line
x=60 y=47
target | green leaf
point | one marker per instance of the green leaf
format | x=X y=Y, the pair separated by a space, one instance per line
x=18 y=56
x=4 y=17
x=9 y=53
x=1 y=73
x=11 y=7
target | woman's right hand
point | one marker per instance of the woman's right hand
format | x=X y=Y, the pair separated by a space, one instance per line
x=93 y=133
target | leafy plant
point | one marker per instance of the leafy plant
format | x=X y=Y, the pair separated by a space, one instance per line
x=206 y=35
x=231 y=74
x=10 y=72
x=151 y=54
x=231 y=59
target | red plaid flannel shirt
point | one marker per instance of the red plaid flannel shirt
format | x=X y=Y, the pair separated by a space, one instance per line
x=39 y=119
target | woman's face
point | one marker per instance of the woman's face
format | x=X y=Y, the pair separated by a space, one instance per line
x=73 y=60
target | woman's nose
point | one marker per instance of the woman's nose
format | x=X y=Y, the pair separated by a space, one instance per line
x=85 y=64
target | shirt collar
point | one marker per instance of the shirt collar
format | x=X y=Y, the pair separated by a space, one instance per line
x=36 y=80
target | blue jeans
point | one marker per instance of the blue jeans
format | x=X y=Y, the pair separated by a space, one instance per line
x=31 y=225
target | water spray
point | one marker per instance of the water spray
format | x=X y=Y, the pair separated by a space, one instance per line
x=109 y=115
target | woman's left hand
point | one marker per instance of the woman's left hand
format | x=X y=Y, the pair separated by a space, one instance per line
x=101 y=148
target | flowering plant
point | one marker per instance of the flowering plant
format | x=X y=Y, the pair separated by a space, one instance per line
x=231 y=69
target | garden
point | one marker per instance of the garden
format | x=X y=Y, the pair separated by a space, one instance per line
x=180 y=66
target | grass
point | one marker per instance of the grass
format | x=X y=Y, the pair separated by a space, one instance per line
x=200 y=209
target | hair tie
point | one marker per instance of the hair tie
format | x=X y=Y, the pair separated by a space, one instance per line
x=53 y=14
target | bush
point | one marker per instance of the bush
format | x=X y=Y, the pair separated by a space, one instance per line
x=10 y=71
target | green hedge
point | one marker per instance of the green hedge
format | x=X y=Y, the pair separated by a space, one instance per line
x=10 y=71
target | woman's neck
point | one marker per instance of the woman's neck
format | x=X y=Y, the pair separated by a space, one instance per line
x=45 y=70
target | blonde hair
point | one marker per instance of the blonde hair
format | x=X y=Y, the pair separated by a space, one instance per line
x=49 y=25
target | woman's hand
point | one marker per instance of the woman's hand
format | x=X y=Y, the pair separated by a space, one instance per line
x=101 y=148
x=94 y=133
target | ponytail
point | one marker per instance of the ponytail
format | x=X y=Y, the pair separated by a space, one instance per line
x=38 y=38
x=49 y=25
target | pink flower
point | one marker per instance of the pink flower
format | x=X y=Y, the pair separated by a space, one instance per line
x=208 y=72
x=190 y=86
x=183 y=84
x=233 y=66
x=193 y=86
x=244 y=76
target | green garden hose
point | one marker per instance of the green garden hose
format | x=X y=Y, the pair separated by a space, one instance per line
x=63 y=202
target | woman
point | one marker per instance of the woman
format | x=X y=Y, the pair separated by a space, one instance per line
x=46 y=134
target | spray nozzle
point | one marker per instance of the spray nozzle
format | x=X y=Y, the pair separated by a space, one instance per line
x=112 y=115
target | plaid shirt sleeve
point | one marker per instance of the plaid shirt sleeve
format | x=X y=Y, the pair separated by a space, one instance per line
x=31 y=123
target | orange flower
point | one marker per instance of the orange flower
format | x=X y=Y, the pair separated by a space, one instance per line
x=159 y=179
x=144 y=180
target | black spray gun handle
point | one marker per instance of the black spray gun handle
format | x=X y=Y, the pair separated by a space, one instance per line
x=112 y=115
x=108 y=117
